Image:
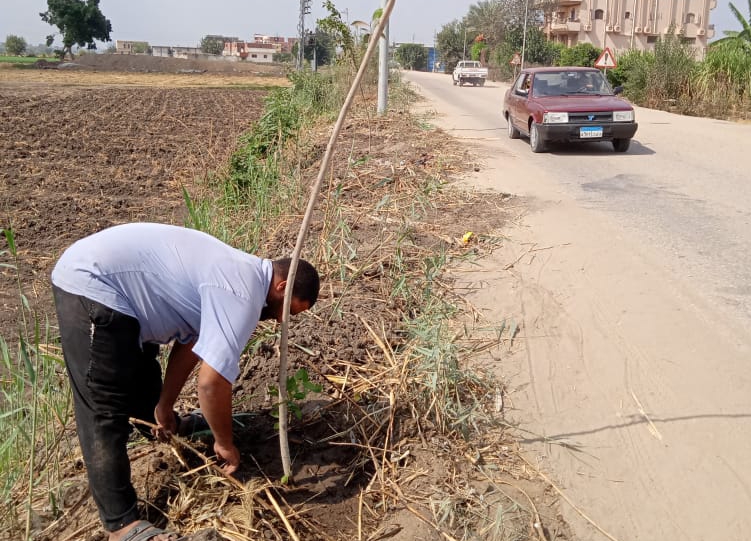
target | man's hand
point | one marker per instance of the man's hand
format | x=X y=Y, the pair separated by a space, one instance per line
x=228 y=457
x=165 y=419
x=180 y=364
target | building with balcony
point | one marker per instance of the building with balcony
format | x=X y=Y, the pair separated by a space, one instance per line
x=630 y=24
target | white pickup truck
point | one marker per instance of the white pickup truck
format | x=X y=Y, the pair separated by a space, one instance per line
x=469 y=71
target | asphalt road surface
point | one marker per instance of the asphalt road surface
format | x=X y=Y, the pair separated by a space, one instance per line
x=632 y=286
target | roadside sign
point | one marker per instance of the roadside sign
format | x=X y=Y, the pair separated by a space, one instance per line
x=516 y=60
x=605 y=60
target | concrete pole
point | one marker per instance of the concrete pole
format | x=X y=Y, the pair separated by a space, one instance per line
x=383 y=68
x=301 y=36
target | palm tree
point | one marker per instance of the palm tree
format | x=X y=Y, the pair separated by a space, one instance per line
x=744 y=36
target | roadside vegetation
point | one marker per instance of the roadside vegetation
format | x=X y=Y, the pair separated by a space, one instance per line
x=671 y=77
x=382 y=234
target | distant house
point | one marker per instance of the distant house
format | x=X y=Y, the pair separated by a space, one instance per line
x=131 y=47
x=161 y=50
x=251 y=51
x=283 y=45
x=186 y=52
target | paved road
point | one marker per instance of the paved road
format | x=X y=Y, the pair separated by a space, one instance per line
x=636 y=313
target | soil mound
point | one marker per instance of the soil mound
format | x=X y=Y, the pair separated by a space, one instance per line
x=146 y=63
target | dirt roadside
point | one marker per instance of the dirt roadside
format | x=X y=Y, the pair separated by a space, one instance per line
x=74 y=170
x=608 y=376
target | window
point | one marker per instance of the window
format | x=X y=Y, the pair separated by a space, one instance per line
x=599 y=14
x=651 y=39
x=627 y=15
x=522 y=84
x=690 y=18
x=254 y=55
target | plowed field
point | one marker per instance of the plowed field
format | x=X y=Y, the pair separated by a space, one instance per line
x=76 y=159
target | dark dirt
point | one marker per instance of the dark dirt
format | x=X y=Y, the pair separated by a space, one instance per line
x=143 y=63
x=73 y=161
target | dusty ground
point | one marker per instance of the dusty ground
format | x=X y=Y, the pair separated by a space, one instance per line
x=630 y=292
x=75 y=159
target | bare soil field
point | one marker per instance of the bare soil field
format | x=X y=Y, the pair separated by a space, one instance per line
x=80 y=151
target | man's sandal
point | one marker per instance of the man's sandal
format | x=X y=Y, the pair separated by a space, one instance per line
x=192 y=425
x=146 y=531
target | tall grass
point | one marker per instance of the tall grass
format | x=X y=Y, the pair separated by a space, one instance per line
x=35 y=409
x=670 y=78
x=671 y=75
x=724 y=79
x=262 y=181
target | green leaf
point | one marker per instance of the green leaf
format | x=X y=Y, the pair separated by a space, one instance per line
x=10 y=237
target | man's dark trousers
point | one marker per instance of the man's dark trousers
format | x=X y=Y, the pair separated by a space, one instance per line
x=112 y=379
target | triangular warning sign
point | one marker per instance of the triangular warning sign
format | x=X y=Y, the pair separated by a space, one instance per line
x=605 y=60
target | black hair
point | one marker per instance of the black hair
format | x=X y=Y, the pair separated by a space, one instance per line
x=307 y=281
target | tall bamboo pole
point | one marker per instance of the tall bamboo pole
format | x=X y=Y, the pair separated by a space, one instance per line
x=315 y=190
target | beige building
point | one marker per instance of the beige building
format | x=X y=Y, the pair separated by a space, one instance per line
x=252 y=51
x=631 y=24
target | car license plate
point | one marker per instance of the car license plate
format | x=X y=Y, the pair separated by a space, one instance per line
x=590 y=132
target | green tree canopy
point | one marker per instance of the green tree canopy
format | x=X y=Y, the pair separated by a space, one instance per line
x=212 y=45
x=320 y=43
x=581 y=54
x=80 y=22
x=15 y=45
x=339 y=33
x=450 y=43
x=412 y=56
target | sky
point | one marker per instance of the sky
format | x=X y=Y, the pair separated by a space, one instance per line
x=185 y=22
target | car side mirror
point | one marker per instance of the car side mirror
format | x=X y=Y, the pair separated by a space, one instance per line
x=618 y=90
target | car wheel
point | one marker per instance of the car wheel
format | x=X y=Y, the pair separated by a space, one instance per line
x=453 y=81
x=482 y=83
x=513 y=133
x=621 y=145
x=536 y=143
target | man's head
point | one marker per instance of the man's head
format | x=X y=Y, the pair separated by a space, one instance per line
x=304 y=292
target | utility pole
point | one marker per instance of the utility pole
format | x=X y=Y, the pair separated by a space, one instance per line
x=383 y=68
x=524 y=35
x=304 y=10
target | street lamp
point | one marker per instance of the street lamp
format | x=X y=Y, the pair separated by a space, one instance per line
x=464 y=52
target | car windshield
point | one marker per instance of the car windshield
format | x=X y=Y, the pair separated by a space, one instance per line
x=566 y=83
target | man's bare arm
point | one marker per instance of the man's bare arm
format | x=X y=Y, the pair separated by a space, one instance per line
x=180 y=364
x=215 y=398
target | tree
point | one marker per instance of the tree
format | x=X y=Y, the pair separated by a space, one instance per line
x=449 y=42
x=141 y=47
x=80 y=22
x=322 y=43
x=743 y=36
x=15 y=45
x=537 y=49
x=339 y=32
x=495 y=18
x=412 y=56
x=581 y=54
x=212 y=45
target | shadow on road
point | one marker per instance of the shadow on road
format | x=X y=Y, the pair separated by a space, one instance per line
x=597 y=149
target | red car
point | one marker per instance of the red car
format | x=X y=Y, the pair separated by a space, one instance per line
x=570 y=104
